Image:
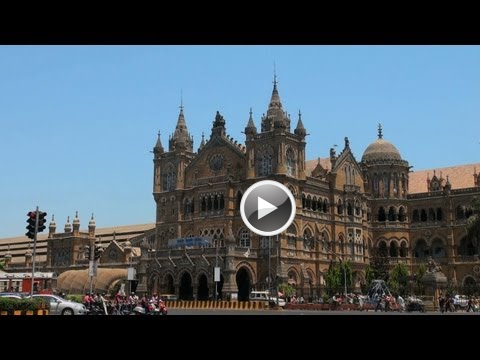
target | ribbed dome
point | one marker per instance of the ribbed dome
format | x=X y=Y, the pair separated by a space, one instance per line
x=381 y=150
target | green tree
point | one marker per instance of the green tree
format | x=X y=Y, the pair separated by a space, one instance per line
x=337 y=275
x=379 y=265
x=398 y=279
x=473 y=223
x=287 y=289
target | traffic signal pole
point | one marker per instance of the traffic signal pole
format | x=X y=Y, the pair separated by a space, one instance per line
x=34 y=250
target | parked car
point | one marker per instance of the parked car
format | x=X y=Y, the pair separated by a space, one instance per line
x=60 y=306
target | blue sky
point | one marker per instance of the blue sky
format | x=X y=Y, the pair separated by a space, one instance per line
x=77 y=123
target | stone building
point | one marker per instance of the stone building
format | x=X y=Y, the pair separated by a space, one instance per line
x=345 y=208
x=64 y=254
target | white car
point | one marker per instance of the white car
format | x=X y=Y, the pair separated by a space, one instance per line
x=265 y=296
x=60 y=306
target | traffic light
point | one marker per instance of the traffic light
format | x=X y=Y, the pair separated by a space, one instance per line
x=41 y=221
x=32 y=218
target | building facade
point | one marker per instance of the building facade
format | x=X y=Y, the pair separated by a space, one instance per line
x=345 y=210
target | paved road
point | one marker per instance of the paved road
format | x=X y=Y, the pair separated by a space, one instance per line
x=301 y=312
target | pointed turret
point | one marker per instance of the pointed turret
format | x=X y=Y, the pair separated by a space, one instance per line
x=68 y=226
x=76 y=224
x=180 y=138
x=91 y=227
x=276 y=118
x=250 y=129
x=52 y=227
x=300 y=130
x=202 y=143
x=158 y=148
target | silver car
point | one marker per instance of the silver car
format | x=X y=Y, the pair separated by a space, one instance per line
x=60 y=306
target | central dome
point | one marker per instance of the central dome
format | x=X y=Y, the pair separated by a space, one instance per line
x=381 y=150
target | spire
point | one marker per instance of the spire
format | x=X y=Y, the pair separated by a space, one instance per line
x=202 y=143
x=250 y=130
x=275 y=100
x=276 y=118
x=380 y=135
x=300 y=129
x=68 y=226
x=158 y=148
x=180 y=137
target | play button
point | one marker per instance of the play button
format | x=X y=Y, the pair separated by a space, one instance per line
x=267 y=208
x=264 y=208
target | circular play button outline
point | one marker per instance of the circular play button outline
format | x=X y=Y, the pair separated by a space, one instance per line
x=267 y=207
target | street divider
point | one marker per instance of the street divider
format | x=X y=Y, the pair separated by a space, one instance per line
x=212 y=304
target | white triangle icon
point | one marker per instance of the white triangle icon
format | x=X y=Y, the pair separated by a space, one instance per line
x=264 y=208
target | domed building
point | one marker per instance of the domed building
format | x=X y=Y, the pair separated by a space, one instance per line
x=346 y=210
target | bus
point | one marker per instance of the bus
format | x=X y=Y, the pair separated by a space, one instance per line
x=43 y=282
x=188 y=242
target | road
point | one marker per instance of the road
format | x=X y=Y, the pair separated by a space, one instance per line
x=302 y=312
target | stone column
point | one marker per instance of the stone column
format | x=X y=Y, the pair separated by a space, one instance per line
x=230 y=289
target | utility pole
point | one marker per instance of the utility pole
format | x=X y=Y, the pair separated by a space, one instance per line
x=216 y=272
x=34 y=250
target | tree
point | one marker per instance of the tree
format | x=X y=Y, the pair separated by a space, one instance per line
x=336 y=276
x=398 y=279
x=379 y=265
x=473 y=223
x=287 y=289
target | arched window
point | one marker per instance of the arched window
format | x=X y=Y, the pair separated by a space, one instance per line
x=375 y=184
x=393 y=249
x=431 y=214
x=244 y=240
x=349 y=208
x=325 y=205
x=423 y=215
x=403 y=249
x=391 y=214
x=460 y=212
x=439 y=214
x=291 y=162
x=265 y=162
x=401 y=214
x=308 y=241
x=421 y=249
x=416 y=216
x=385 y=185
x=381 y=214
x=438 y=250
x=169 y=178
x=340 y=207
x=239 y=200
x=291 y=237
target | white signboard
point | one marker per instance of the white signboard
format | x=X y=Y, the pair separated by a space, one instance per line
x=131 y=273
x=92 y=268
x=216 y=274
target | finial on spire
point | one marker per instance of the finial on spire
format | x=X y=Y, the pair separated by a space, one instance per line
x=380 y=135
x=53 y=218
x=251 y=112
x=274 y=75
x=181 y=99
x=299 y=115
x=92 y=217
x=76 y=214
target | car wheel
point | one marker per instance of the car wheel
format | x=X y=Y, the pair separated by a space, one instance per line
x=67 y=311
